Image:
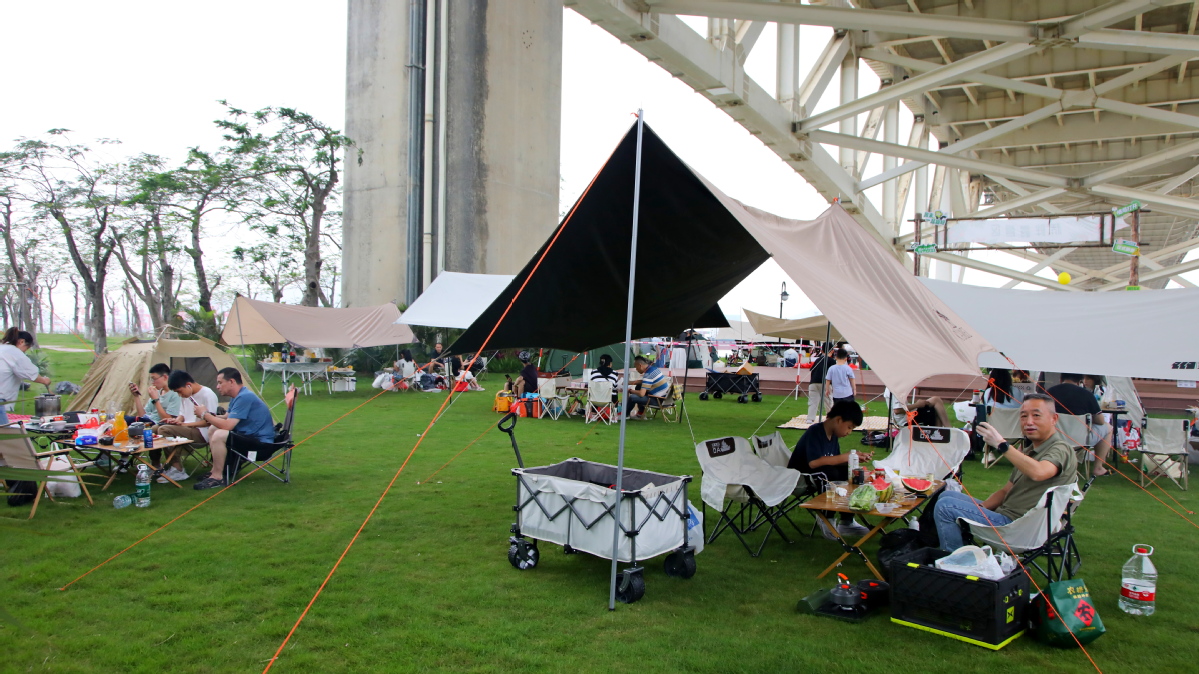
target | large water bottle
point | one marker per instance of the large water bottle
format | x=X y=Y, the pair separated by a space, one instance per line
x=143 y=486
x=1138 y=587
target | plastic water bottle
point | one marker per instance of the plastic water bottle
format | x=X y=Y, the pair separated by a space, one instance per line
x=853 y=461
x=122 y=501
x=143 y=486
x=1138 y=587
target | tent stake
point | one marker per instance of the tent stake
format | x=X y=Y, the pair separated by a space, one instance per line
x=628 y=339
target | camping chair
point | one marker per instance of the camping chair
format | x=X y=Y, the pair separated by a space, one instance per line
x=1163 y=448
x=481 y=362
x=663 y=406
x=599 y=402
x=552 y=404
x=774 y=451
x=754 y=489
x=17 y=451
x=262 y=453
x=927 y=450
x=1006 y=420
x=1044 y=534
x=1076 y=429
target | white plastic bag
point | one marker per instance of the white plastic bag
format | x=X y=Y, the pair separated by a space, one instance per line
x=953 y=485
x=971 y=560
x=66 y=486
x=382 y=380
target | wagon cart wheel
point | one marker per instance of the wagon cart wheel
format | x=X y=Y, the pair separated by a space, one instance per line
x=743 y=399
x=522 y=554
x=718 y=395
x=703 y=395
x=631 y=587
x=757 y=397
x=679 y=564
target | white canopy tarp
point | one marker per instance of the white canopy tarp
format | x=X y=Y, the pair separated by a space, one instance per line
x=455 y=299
x=1145 y=333
x=740 y=331
x=257 y=322
x=900 y=327
x=813 y=327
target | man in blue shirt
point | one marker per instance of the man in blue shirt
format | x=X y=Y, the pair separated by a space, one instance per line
x=653 y=383
x=248 y=421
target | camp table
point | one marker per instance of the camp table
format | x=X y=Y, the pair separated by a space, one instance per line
x=822 y=503
x=307 y=372
x=126 y=454
x=43 y=436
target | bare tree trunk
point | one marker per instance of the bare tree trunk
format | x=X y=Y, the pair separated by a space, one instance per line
x=75 y=297
x=50 y=299
x=312 y=247
x=137 y=320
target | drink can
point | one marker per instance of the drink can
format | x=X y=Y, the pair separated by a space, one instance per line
x=148 y=438
x=859 y=475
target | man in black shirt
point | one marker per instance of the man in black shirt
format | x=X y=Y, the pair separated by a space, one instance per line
x=819 y=451
x=1071 y=398
x=821 y=362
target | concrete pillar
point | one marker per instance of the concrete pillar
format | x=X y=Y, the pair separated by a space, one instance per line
x=495 y=190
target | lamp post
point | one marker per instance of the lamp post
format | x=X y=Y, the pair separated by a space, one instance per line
x=782 y=298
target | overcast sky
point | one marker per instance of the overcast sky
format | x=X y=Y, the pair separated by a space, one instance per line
x=150 y=74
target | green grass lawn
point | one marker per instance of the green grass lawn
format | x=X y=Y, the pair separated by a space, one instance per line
x=428 y=586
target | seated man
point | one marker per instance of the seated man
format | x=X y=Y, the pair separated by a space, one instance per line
x=527 y=381
x=819 y=452
x=653 y=383
x=790 y=357
x=929 y=411
x=1071 y=397
x=1049 y=463
x=248 y=423
x=187 y=424
x=164 y=404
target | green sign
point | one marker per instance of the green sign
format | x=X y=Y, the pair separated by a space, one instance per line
x=1125 y=210
x=934 y=217
x=923 y=248
x=1132 y=288
x=1126 y=247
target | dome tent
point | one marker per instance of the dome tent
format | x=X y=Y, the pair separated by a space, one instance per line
x=106 y=385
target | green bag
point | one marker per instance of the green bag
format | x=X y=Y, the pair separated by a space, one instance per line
x=1071 y=601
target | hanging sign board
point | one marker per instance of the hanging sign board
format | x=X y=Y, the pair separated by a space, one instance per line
x=1126 y=247
x=1134 y=205
x=934 y=217
x=923 y=248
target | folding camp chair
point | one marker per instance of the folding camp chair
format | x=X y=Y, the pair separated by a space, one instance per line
x=1163 y=448
x=1076 y=429
x=261 y=454
x=927 y=450
x=774 y=451
x=18 y=451
x=599 y=402
x=1043 y=535
x=754 y=489
x=552 y=404
x=481 y=363
x=663 y=406
x=1006 y=420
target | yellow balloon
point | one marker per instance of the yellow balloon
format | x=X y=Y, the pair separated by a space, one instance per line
x=1064 y=278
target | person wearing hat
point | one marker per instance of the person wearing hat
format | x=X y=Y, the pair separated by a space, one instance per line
x=527 y=382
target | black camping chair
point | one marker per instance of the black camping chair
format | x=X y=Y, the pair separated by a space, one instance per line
x=261 y=453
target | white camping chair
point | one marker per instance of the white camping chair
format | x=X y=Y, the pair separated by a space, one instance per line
x=754 y=489
x=599 y=402
x=1006 y=420
x=774 y=450
x=1046 y=531
x=1164 y=444
x=1076 y=429
x=552 y=404
x=927 y=450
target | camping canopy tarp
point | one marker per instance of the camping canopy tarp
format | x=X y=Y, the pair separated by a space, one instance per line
x=106 y=384
x=1148 y=333
x=813 y=327
x=256 y=322
x=455 y=299
x=695 y=244
x=741 y=331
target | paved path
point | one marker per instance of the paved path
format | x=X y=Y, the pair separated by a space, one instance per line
x=64 y=348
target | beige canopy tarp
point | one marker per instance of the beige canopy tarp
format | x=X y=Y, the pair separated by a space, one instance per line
x=901 y=327
x=106 y=385
x=256 y=322
x=812 y=327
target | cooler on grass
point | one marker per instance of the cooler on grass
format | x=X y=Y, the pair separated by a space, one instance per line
x=987 y=613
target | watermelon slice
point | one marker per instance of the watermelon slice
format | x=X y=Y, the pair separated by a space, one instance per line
x=884 y=489
x=917 y=485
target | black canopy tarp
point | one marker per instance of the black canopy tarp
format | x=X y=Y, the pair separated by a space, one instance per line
x=691 y=252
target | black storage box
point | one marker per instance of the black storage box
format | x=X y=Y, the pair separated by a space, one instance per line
x=987 y=613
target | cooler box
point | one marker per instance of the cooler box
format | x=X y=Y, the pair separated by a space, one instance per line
x=345 y=384
x=987 y=613
x=527 y=407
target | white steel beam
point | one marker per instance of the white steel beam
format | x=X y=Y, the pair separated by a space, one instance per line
x=990 y=168
x=1175 y=182
x=1106 y=15
x=915 y=85
x=822 y=73
x=1151 y=199
x=1041 y=265
x=1144 y=162
x=1000 y=271
x=1140 y=41
x=1164 y=272
x=1134 y=110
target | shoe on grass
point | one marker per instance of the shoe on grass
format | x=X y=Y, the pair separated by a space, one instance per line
x=851 y=529
x=209 y=483
x=828 y=532
x=176 y=474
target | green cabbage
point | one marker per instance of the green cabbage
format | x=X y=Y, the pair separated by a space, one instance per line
x=863 y=498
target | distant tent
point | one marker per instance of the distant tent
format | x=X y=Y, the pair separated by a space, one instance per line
x=106 y=385
x=813 y=327
x=257 y=322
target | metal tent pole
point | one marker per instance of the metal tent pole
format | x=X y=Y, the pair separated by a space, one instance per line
x=628 y=338
x=828 y=337
x=686 y=368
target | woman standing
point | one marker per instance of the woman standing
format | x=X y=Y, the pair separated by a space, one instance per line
x=15 y=367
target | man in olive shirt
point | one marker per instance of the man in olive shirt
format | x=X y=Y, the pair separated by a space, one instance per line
x=1049 y=463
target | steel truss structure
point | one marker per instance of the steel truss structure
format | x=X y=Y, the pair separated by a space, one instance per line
x=1017 y=108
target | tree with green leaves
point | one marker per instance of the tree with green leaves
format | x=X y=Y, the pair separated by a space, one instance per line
x=294 y=163
x=148 y=246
